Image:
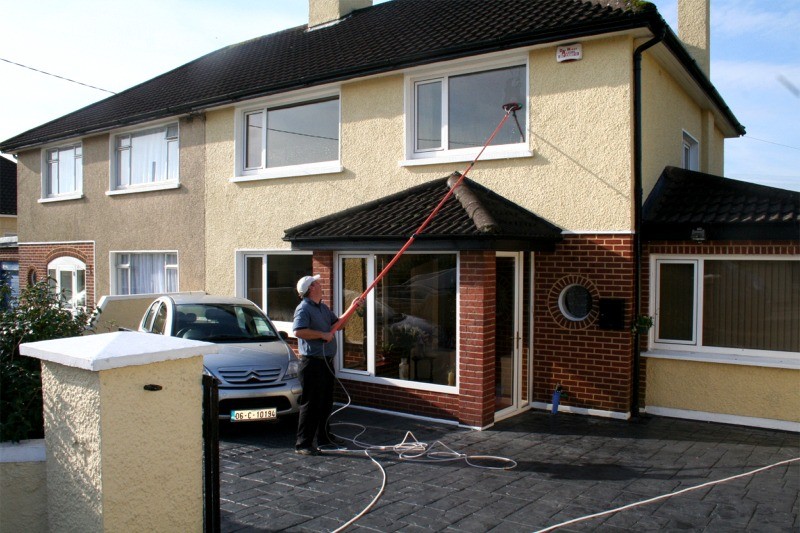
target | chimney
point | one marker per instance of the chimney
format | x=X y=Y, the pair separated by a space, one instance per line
x=324 y=11
x=694 y=29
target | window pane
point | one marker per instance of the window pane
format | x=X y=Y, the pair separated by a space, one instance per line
x=303 y=134
x=429 y=115
x=354 y=335
x=66 y=171
x=752 y=305
x=65 y=286
x=475 y=106
x=283 y=271
x=146 y=273
x=415 y=318
x=172 y=160
x=255 y=140
x=676 y=301
x=254 y=281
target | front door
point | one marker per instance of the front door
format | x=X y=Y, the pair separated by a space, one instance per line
x=508 y=334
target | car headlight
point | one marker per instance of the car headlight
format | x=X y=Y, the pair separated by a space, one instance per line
x=292 y=369
x=206 y=372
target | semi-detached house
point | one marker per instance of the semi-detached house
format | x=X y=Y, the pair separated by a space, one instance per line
x=321 y=148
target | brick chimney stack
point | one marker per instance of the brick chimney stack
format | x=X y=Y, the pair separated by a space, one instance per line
x=324 y=11
x=694 y=29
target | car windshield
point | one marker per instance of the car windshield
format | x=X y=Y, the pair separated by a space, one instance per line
x=223 y=323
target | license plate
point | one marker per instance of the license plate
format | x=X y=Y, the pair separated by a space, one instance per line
x=248 y=415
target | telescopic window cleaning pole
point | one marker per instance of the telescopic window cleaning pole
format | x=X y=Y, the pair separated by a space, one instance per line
x=510 y=108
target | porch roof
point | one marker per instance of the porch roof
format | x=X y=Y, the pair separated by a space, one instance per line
x=475 y=218
x=683 y=200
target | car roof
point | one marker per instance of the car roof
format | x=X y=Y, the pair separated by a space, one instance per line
x=206 y=299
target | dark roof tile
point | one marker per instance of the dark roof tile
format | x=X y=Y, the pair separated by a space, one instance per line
x=391 y=220
x=381 y=38
x=683 y=199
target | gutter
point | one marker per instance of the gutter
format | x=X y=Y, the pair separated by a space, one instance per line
x=660 y=33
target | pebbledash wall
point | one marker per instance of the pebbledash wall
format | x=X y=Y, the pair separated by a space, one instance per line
x=34 y=258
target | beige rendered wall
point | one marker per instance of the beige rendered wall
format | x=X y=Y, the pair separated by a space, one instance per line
x=113 y=466
x=739 y=390
x=144 y=436
x=579 y=177
x=158 y=220
x=8 y=225
x=667 y=111
x=23 y=497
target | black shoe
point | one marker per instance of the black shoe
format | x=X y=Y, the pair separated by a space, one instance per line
x=333 y=440
x=306 y=451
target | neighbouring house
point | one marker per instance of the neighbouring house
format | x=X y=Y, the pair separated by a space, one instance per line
x=9 y=256
x=321 y=148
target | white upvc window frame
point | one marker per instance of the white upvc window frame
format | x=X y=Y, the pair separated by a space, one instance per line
x=115 y=151
x=47 y=178
x=690 y=152
x=244 y=174
x=442 y=73
x=71 y=265
x=695 y=350
x=369 y=376
x=241 y=279
x=112 y=262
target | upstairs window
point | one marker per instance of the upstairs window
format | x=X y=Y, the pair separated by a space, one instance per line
x=454 y=114
x=299 y=138
x=146 y=157
x=63 y=175
x=691 y=153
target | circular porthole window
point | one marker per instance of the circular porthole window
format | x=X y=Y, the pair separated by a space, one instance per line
x=575 y=302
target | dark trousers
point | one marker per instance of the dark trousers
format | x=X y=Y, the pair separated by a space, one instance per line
x=316 y=401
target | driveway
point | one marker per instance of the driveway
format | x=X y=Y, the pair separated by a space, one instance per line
x=568 y=467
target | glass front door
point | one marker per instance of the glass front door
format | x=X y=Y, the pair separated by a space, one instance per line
x=508 y=336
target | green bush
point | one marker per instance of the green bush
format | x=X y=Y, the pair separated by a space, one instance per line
x=37 y=315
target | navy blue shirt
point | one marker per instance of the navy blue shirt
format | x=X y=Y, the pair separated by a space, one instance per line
x=315 y=316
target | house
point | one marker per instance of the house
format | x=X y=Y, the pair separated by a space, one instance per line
x=322 y=148
x=9 y=260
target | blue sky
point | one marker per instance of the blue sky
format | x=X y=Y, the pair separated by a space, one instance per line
x=755 y=61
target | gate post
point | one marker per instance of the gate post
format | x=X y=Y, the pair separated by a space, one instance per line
x=123 y=431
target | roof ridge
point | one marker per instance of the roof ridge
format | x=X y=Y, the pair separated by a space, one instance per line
x=479 y=215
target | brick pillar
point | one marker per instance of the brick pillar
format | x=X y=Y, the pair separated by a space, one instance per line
x=477 y=330
x=322 y=264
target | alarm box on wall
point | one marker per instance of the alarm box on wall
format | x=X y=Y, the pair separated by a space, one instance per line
x=612 y=314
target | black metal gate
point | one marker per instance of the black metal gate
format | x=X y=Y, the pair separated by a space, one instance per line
x=211 y=513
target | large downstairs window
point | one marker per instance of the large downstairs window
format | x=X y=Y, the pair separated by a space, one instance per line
x=269 y=280
x=146 y=159
x=455 y=112
x=63 y=172
x=407 y=331
x=728 y=305
x=294 y=138
x=144 y=272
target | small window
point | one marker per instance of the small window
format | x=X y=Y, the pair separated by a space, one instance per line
x=691 y=153
x=63 y=174
x=146 y=157
x=67 y=279
x=575 y=302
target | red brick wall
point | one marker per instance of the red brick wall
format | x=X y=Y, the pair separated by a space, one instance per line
x=35 y=257
x=594 y=366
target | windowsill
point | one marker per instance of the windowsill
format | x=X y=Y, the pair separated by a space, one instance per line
x=465 y=158
x=395 y=382
x=62 y=198
x=161 y=186
x=291 y=172
x=791 y=360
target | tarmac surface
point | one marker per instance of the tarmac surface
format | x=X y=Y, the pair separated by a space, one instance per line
x=568 y=467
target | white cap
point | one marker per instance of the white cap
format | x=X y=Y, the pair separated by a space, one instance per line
x=304 y=283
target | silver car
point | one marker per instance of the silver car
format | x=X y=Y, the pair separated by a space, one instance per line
x=255 y=367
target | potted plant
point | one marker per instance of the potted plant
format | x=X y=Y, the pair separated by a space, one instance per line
x=642 y=324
